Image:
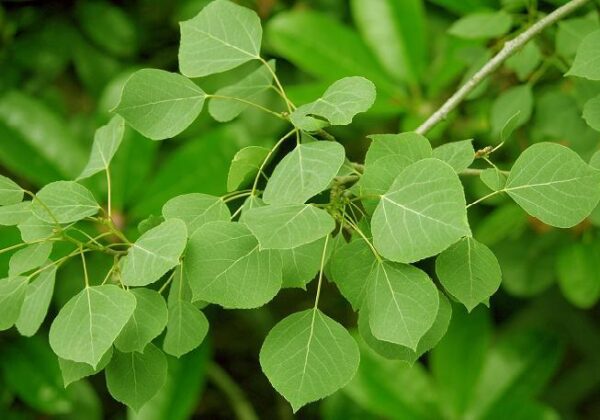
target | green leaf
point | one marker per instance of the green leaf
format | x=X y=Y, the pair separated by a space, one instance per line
x=86 y=327
x=106 y=143
x=493 y=178
x=525 y=61
x=288 y=226
x=219 y=38
x=147 y=322
x=586 y=60
x=402 y=303
x=308 y=356
x=37 y=301
x=305 y=172
x=388 y=156
x=224 y=265
x=250 y=89
x=64 y=202
x=195 y=210
x=134 y=378
x=28 y=258
x=245 y=166
x=512 y=107
x=12 y=296
x=10 y=192
x=350 y=266
x=186 y=329
x=301 y=264
x=160 y=104
x=154 y=253
x=74 y=371
x=571 y=32
x=469 y=271
x=337 y=106
x=591 y=113
x=482 y=25
x=33 y=229
x=458 y=154
x=423 y=213
x=13 y=214
x=427 y=342
x=578 y=277
x=552 y=183
x=395 y=32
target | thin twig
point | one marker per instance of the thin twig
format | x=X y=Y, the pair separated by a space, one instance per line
x=509 y=48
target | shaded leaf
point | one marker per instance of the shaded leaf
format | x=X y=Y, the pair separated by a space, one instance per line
x=245 y=166
x=195 y=210
x=458 y=154
x=37 y=300
x=186 y=329
x=12 y=296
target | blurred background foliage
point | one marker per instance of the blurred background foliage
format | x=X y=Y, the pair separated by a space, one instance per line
x=534 y=355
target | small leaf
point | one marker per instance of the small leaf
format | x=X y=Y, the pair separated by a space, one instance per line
x=134 y=378
x=106 y=143
x=186 y=329
x=14 y=214
x=591 y=113
x=571 y=32
x=525 y=61
x=37 y=300
x=350 y=267
x=586 y=59
x=578 y=277
x=511 y=108
x=160 y=104
x=248 y=90
x=86 y=327
x=221 y=37
x=301 y=264
x=552 y=183
x=195 y=210
x=482 y=25
x=154 y=253
x=423 y=213
x=64 y=202
x=493 y=178
x=224 y=265
x=12 y=296
x=458 y=154
x=338 y=105
x=28 y=258
x=146 y=323
x=305 y=172
x=402 y=303
x=74 y=371
x=288 y=226
x=469 y=271
x=308 y=356
x=245 y=166
x=10 y=192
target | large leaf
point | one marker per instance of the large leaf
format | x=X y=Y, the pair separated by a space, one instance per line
x=243 y=93
x=195 y=210
x=146 y=323
x=37 y=300
x=186 y=328
x=469 y=271
x=395 y=32
x=86 y=327
x=133 y=378
x=154 y=253
x=423 y=213
x=288 y=226
x=160 y=104
x=10 y=192
x=552 y=183
x=339 y=104
x=106 y=143
x=304 y=172
x=402 y=303
x=12 y=296
x=224 y=265
x=64 y=202
x=221 y=37
x=308 y=356
x=587 y=57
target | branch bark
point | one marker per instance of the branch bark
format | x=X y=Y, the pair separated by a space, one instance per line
x=509 y=48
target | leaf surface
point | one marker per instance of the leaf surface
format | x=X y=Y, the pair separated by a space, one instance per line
x=106 y=143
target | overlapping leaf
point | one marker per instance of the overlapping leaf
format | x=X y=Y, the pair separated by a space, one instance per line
x=12 y=295
x=10 y=192
x=37 y=300
x=64 y=202
x=195 y=210
x=106 y=143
